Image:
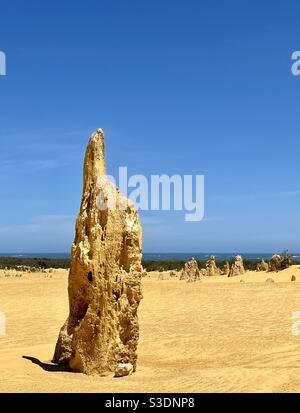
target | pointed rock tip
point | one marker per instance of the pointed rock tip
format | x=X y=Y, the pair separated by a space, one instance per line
x=97 y=141
x=99 y=133
x=94 y=163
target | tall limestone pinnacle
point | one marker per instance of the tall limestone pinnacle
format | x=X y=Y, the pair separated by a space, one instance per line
x=101 y=333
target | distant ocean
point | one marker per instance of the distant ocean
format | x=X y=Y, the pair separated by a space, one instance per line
x=160 y=256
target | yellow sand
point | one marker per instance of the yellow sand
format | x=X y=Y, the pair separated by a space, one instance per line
x=218 y=335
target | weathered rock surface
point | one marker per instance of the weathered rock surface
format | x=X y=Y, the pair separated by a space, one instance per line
x=226 y=269
x=101 y=333
x=190 y=272
x=211 y=267
x=123 y=369
x=237 y=267
x=275 y=263
x=262 y=266
x=279 y=262
x=63 y=349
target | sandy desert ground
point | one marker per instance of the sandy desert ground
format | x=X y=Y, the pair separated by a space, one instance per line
x=218 y=335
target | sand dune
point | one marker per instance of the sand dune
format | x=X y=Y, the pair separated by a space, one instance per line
x=218 y=335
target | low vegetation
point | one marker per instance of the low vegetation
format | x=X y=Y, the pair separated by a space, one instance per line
x=38 y=264
x=35 y=264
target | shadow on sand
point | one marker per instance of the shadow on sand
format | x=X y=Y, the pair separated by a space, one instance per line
x=47 y=366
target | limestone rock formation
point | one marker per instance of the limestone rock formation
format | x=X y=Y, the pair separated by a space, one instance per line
x=269 y=281
x=211 y=267
x=279 y=262
x=101 y=333
x=123 y=369
x=190 y=272
x=226 y=269
x=262 y=266
x=183 y=275
x=274 y=264
x=237 y=267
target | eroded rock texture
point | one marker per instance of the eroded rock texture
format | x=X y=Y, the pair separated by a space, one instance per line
x=211 y=267
x=190 y=272
x=262 y=266
x=280 y=262
x=226 y=269
x=237 y=267
x=101 y=333
x=275 y=263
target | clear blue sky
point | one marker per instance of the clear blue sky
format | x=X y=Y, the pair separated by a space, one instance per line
x=188 y=87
